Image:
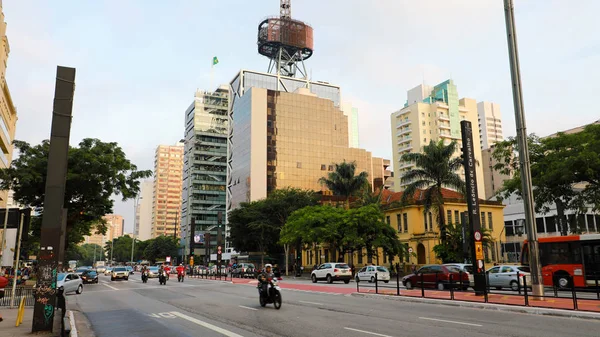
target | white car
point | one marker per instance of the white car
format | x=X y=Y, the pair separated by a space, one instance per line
x=367 y=273
x=108 y=271
x=119 y=272
x=506 y=277
x=332 y=271
x=70 y=282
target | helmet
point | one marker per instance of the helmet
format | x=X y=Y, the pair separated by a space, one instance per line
x=181 y=264
x=268 y=265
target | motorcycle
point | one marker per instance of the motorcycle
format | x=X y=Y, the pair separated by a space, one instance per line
x=145 y=276
x=180 y=276
x=271 y=295
x=162 y=278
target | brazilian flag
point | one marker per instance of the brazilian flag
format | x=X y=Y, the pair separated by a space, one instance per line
x=215 y=61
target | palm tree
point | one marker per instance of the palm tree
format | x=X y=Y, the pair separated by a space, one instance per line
x=436 y=169
x=343 y=181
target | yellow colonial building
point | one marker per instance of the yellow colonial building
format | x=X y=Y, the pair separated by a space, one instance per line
x=421 y=233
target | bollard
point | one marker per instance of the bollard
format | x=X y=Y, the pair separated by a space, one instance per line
x=398 y=283
x=518 y=283
x=452 y=286
x=574 y=294
x=376 y=287
x=357 y=282
x=597 y=290
x=524 y=288
x=422 y=287
x=554 y=287
x=486 y=287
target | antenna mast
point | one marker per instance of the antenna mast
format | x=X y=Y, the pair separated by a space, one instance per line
x=285 y=10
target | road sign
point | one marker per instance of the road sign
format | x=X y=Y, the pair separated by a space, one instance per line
x=477 y=235
x=410 y=250
x=168 y=259
x=478 y=250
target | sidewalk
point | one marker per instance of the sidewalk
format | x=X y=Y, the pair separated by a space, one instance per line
x=8 y=328
x=547 y=302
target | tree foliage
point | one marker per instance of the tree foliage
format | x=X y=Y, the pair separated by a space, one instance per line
x=159 y=248
x=96 y=172
x=557 y=164
x=452 y=250
x=256 y=226
x=85 y=254
x=435 y=169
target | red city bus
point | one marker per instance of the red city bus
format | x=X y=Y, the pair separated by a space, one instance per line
x=563 y=257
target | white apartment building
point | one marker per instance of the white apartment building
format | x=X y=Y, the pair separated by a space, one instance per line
x=432 y=113
x=490 y=124
x=143 y=226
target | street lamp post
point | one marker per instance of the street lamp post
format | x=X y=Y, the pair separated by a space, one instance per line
x=527 y=189
x=135 y=202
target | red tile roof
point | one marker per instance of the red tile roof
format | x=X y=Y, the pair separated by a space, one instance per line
x=388 y=197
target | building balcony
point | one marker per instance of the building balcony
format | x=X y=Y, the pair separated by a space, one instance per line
x=444 y=117
x=404 y=140
x=405 y=148
x=444 y=126
x=403 y=132
x=406 y=165
x=403 y=123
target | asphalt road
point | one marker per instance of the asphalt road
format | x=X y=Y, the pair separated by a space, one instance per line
x=212 y=308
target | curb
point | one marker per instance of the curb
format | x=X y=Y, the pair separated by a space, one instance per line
x=489 y=306
x=73 y=332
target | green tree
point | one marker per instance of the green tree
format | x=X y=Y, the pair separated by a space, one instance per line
x=452 y=250
x=344 y=181
x=435 y=169
x=120 y=248
x=159 y=248
x=256 y=226
x=96 y=172
x=552 y=174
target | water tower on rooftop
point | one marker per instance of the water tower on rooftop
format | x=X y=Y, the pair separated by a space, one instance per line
x=286 y=42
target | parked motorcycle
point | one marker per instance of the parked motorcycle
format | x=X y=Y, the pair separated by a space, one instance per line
x=272 y=294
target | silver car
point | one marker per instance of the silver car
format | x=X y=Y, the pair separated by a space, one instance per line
x=506 y=277
x=70 y=282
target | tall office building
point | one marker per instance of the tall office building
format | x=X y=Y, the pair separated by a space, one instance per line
x=166 y=195
x=286 y=132
x=115 y=224
x=352 y=114
x=143 y=227
x=8 y=113
x=205 y=164
x=490 y=124
x=432 y=114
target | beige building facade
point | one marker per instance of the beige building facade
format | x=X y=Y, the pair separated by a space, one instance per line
x=8 y=112
x=166 y=196
x=490 y=124
x=432 y=114
x=114 y=229
x=288 y=139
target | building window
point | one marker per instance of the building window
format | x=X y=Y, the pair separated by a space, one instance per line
x=405 y=216
x=360 y=256
x=490 y=224
x=539 y=225
x=550 y=224
x=387 y=220
x=323 y=167
x=482 y=219
x=298 y=165
x=425 y=218
x=399 y=221
x=449 y=217
x=457 y=217
x=424 y=139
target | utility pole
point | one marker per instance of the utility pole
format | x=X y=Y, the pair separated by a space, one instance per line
x=527 y=189
x=112 y=248
x=135 y=202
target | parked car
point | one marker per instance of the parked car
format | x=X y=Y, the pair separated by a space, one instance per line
x=200 y=270
x=108 y=271
x=332 y=271
x=100 y=269
x=69 y=282
x=367 y=273
x=506 y=277
x=245 y=270
x=436 y=276
x=213 y=270
x=119 y=273
x=89 y=276
x=465 y=268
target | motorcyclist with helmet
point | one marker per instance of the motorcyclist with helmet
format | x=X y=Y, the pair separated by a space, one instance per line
x=264 y=278
x=180 y=272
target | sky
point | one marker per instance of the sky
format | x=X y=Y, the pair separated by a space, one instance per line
x=139 y=62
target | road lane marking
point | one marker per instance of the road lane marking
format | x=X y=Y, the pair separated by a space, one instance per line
x=111 y=287
x=446 y=321
x=245 y=307
x=206 y=325
x=367 y=332
x=307 y=302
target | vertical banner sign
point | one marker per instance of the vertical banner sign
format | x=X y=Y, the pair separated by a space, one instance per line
x=473 y=205
x=192 y=235
x=56 y=180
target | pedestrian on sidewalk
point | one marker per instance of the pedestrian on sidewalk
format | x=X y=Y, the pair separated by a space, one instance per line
x=3 y=284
